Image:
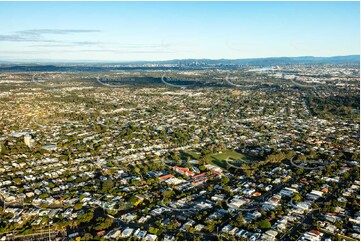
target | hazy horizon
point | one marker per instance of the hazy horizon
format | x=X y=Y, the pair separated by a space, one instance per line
x=135 y=61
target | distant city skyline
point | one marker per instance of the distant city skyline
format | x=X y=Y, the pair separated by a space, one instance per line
x=153 y=31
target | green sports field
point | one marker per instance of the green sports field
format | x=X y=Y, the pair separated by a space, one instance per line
x=233 y=157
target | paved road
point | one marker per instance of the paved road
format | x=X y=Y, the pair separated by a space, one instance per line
x=307 y=221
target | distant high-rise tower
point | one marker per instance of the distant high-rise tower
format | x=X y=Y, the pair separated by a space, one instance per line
x=29 y=141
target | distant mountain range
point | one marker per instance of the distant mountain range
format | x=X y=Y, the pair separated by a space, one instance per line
x=281 y=60
x=52 y=65
x=270 y=60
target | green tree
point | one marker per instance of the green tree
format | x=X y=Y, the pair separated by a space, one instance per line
x=43 y=195
x=107 y=186
x=86 y=217
x=299 y=171
x=87 y=237
x=103 y=224
x=78 y=206
x=18 y=180
x=167 y=193
x=137 y=170
x=297 y=197
x=265 y=224
x=225 y=180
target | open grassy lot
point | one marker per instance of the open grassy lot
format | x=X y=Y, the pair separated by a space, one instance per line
x=193 y=154
x=233 y=157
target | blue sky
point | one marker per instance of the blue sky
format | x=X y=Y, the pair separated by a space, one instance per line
x=123 y=31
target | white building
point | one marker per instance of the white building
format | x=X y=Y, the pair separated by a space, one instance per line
x=29 y=141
